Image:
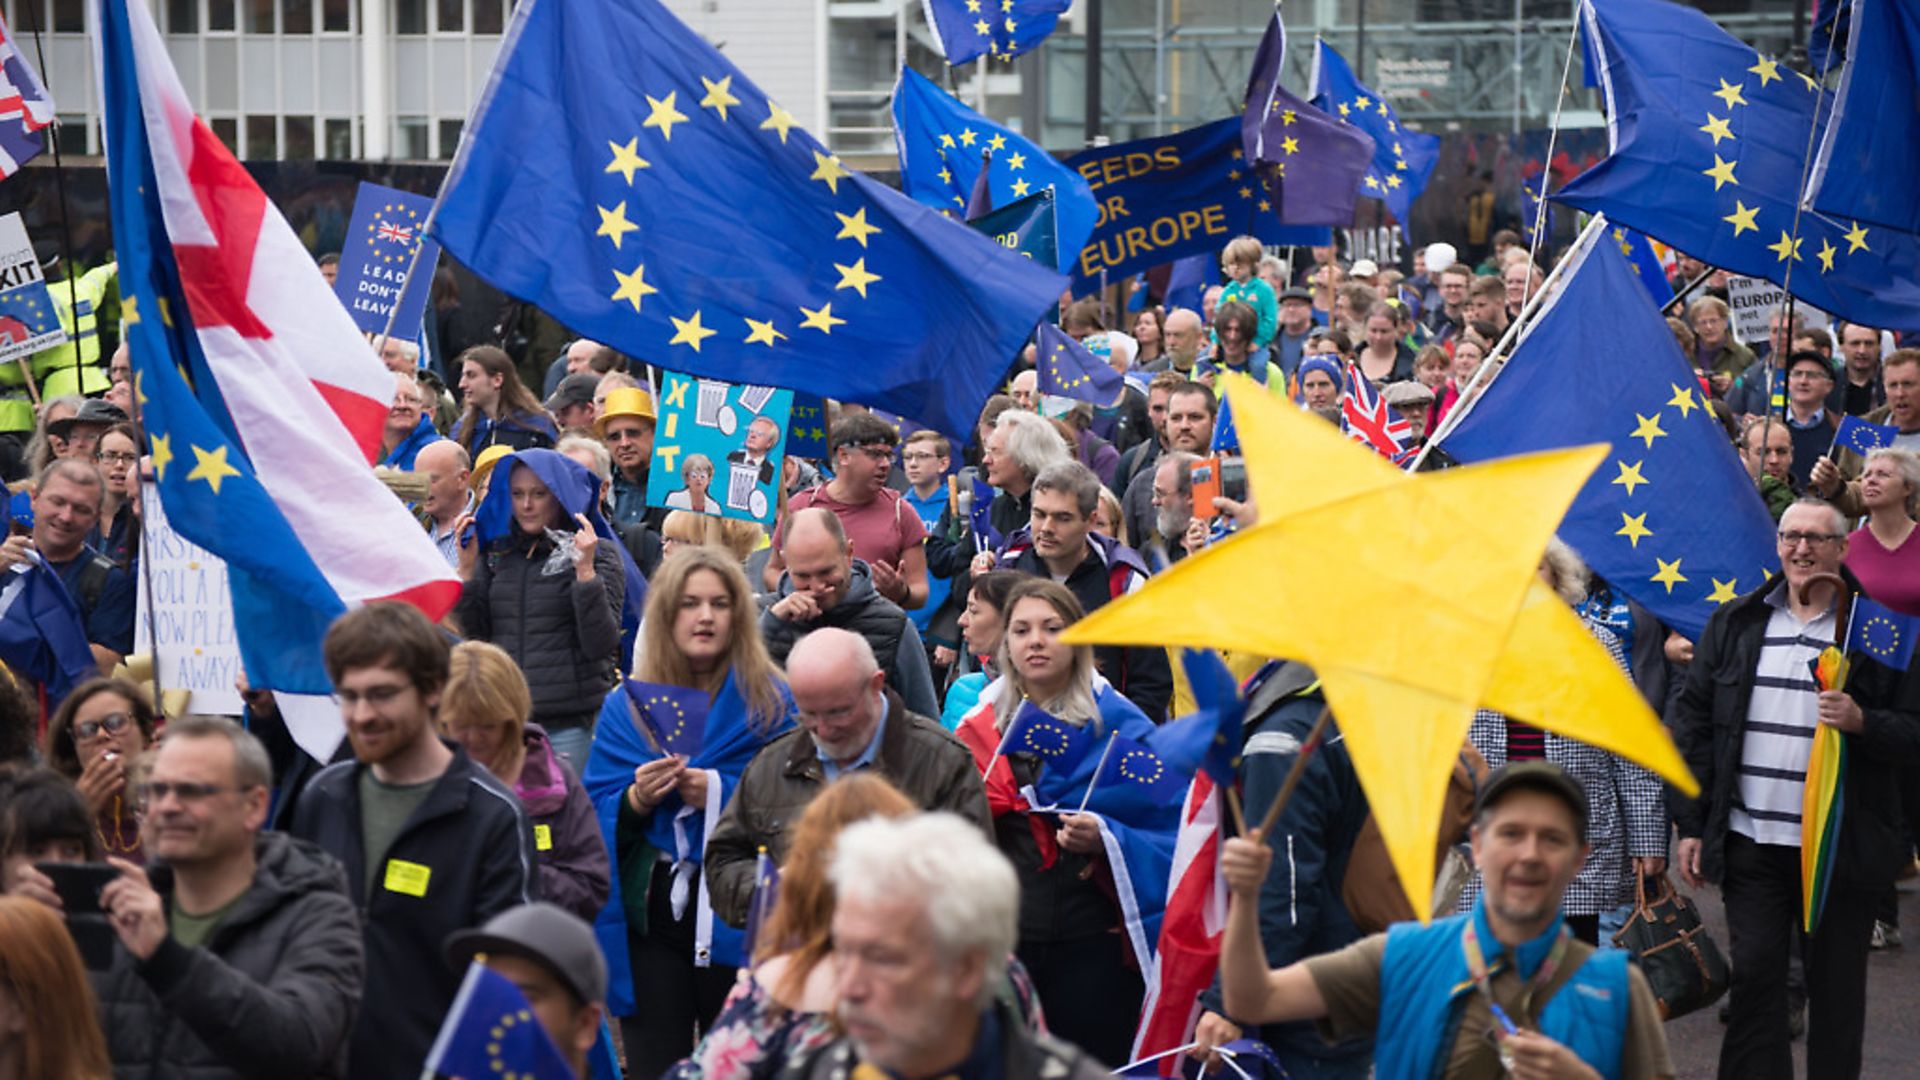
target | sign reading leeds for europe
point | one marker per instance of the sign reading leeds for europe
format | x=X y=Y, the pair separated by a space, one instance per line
x=381 y=237
x=1164 y=198
x=190 y=611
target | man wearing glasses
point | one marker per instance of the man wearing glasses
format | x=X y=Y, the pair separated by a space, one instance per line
x=883 y=530
x=241 y=953
x=1809 y=422
x=1745 y=721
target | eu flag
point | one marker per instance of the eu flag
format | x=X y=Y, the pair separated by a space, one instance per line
x=1280 y=132
x=628 y=179
x=491 y=1031
x=940 y=142
x=1870 y=154
x=42 y=635
x=1671 y=519
x=1063 y=745
x=1067 y=369
x=1208 y=739
x=1226 y=437
x=1134 y=778
x=1862 y=437
x=1708 y=140
x=1402 y=159
x=676 y=716
x=1882 y=633
x=966 y=30
x=1638 y=249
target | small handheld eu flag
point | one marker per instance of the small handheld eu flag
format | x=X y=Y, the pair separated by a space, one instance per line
x=1863 y=437
x=1883 y=633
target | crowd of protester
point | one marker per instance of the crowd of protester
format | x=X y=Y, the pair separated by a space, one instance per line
x=235 y=907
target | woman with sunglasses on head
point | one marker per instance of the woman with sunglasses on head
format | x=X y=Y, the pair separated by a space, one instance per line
x=102 y=726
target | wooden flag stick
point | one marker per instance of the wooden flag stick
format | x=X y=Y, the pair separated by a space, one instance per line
x=1292 y=781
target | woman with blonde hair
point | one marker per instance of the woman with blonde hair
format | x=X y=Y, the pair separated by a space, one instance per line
x=49 y=1027
x=1073 y=932
x=670 y=748
x=487 y=708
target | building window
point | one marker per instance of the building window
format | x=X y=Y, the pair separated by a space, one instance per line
x=263 y=142
x=227 y=130
x=450 y=137
x=220 y=14
x=339 y=139
x=299 y=146
x=410 y=17
x=452 y=15
x=259 y=15
x=69 y=16
x=336 y=15
x=412 y=144
x=488 y=17
x=296 y=16
x=183 y=16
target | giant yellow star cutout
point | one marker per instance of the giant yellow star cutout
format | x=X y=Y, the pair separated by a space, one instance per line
x=1348 y=547
x=626 y=159
x=614 y=223
x=827 y=168
x=1722 y=173
x=663 y=115
x=211 y=466
x=633 y=287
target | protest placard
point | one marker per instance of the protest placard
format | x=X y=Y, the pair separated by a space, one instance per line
x=381 y=237
x=185 y=605
x=719 y=447
x=28 y=321
x=1753 y=301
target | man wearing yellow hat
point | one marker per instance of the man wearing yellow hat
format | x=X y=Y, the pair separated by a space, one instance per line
x=626 y=426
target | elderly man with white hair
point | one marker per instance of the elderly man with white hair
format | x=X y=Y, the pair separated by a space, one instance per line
x=925 y=915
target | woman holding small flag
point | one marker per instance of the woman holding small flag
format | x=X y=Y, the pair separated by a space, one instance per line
x=669 y=751
x=1039 y=733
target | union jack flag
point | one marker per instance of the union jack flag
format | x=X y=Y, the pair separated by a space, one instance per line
x=399 y=234
x=1367 y=417
x=25 y=108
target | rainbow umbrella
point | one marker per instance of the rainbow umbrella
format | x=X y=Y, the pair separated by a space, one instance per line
x=1821 y=803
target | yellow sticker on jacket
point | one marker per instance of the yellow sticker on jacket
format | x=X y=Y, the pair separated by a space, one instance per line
x=408 y=878
x=543 y=837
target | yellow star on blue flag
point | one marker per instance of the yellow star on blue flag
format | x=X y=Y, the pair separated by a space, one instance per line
x=764 y=258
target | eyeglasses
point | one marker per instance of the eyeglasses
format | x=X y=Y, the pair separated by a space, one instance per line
x=1808 y=373
x=376 y=697
x=112 y=724
x=155 y=790
x=876 y=451
x=1792 y=540
x=116 y=457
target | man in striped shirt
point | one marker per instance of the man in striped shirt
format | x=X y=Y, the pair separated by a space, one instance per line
x=1745 y=722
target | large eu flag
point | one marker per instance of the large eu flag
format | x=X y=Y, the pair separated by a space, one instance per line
x=1280 y=132
x=1402 y=159
x=628 y=179
x=967 y=30
x=1708 y=142
x=941 y=141
x=1870 y=154
x=1671 y=519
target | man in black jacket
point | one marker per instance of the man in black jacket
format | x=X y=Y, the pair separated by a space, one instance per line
x=1746 y=721
x=432 y=843
x=240 y=950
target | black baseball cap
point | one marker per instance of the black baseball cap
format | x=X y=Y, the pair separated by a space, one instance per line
x=550 y=936
x=1541 y=776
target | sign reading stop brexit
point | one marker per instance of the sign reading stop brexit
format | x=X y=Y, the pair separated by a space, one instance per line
x=28 y=321
x=381 y=238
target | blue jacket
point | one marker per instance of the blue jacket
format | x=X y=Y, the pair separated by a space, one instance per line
x=403 y=454
x=1424 y=983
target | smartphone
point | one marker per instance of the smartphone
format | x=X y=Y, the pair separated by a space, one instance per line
x=79 y=885
x=1233 y=478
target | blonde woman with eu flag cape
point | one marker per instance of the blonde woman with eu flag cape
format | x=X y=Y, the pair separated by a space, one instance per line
x=549 y=581
x=670 y=748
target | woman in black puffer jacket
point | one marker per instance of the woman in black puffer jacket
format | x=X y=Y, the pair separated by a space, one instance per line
x=559 y=618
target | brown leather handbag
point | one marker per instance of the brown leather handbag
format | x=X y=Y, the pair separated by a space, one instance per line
x=1683 y=965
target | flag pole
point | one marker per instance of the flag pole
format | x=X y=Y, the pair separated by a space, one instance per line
x=1315 y=737
x=1097 y=770
x=66 y=238
x=1509 y=339
x=1786 y=281
x=1553 y=138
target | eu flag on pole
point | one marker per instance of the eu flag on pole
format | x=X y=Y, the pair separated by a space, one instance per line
x=42 y=635
x=1209 y=738
x=491 y=1031
x=1883 y=633
x=1311 y=163
x=940 y=141
x=1672 y=518
x=1226 y=437
x=1638 y=249
x=1402 y=159
x=1135 y=777
x=675 y=715
x=966 y=30
x=1870 y=153
x=1063 y=745
x=1067 y=369
x=1708 y=140
x=25 y=107
x=1862 y=437
x=628 y=179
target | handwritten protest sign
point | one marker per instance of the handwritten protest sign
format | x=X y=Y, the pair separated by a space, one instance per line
x=189 y=611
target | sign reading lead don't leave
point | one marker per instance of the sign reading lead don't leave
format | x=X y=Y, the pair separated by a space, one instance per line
x=386 y=227
x=184 y=603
